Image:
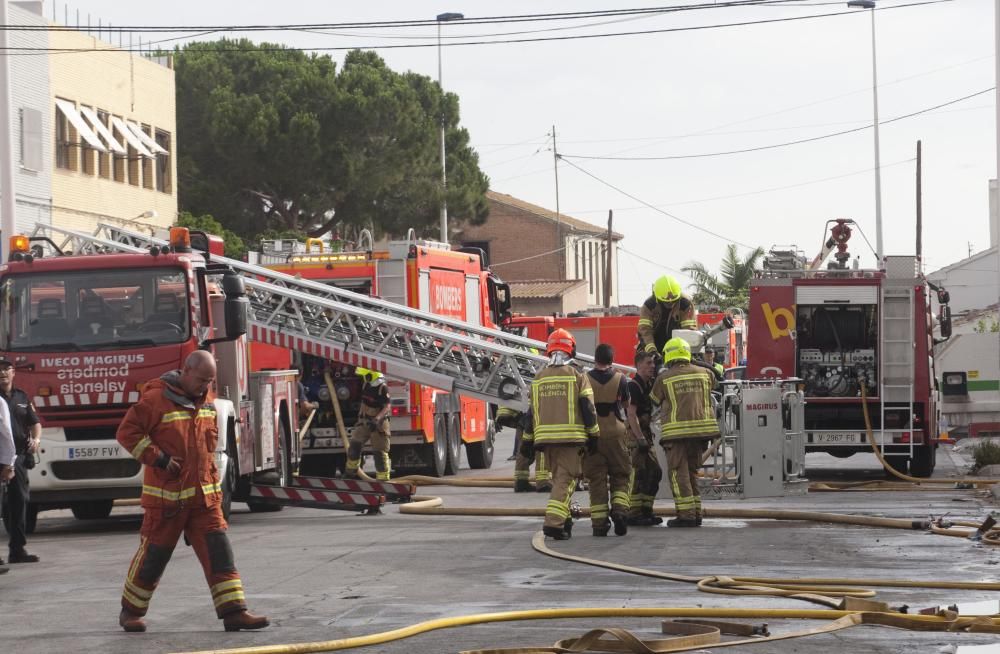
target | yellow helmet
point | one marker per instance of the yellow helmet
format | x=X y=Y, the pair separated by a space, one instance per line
x=370 y=375
x=676 y=349
x=666 y=289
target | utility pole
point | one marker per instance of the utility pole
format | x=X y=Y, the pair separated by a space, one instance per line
x=7 y=192
x=920 y=213
x=607 y=266
x=559 y=238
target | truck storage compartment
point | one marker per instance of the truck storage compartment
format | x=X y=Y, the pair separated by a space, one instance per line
x=837 y=345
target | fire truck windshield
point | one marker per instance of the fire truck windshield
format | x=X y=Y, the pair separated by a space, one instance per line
x=94 y=309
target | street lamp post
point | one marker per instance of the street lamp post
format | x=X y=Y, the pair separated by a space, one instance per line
x=442 y=18
x=870 y=4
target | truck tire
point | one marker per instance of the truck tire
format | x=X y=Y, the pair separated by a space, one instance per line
x=454 y=445
x=92 y=510
x=898 y=463
x=437 y=452
x=923 y=461
x=480 y=454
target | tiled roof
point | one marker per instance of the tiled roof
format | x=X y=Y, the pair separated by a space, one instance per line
x=573 y=223
x=543 y=288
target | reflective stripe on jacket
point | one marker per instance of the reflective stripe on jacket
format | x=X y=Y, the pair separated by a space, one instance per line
x=164 y=422
x=562 y=407
x=683 y=393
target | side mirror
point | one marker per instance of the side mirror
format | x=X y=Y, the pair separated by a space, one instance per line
x=943 y=296
x=945 y=319
x=237 y=307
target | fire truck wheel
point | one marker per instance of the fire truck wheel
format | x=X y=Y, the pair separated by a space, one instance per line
x=480 y=454
x=898 y=463
x=923 y=461
x=438 y=450
x=454 y=445
x=92 y=510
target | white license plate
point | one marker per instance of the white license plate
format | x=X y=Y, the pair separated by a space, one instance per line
x=95 y=452
x=838 y=438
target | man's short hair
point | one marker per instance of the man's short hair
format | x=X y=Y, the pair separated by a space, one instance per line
x=641 y=356
x=604 y=354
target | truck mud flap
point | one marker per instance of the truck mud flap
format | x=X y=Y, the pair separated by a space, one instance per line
x=393 y=492
x=318 y=499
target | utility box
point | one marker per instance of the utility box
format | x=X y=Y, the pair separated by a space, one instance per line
x=761 y=450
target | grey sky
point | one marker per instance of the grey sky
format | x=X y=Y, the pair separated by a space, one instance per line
x=696 y=92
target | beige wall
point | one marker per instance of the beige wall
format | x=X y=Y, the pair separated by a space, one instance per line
x=132 y=88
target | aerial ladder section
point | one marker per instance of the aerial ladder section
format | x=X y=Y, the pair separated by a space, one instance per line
x=352 y=328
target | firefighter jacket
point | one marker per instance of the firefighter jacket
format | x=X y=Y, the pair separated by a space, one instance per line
x=610 y=392
x=374 y=398
x=166 y=423
x=657 y=320
x=638 y=396
x=562 y=408
x=683 y=393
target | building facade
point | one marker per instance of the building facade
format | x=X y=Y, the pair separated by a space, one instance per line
x=539 y=251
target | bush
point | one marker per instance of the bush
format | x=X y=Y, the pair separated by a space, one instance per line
x=984 y=454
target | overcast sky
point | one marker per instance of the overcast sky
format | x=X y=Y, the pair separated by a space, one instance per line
x=693 y=92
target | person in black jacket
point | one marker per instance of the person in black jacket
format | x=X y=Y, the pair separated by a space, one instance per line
x=27 y=432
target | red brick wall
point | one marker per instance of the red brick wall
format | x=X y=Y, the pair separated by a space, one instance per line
x=515 y=234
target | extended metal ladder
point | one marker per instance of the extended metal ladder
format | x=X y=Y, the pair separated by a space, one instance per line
x=341 y=325
x=897 y=364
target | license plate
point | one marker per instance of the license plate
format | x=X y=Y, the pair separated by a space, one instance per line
x=97 y=452
x=838 y=438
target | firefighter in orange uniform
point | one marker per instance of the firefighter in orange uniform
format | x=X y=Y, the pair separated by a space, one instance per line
x=172 y=430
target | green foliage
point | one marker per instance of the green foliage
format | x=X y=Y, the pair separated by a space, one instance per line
x=982 y=326
x=278 y=140
x=984 y=454
x=235 y=247
x=732 y=287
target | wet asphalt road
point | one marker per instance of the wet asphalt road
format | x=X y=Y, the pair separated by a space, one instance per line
x=323 y=575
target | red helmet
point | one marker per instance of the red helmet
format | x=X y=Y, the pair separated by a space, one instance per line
x=561 y=340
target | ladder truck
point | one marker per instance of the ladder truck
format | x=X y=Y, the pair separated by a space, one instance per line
x=86 y=321
x=851 y=336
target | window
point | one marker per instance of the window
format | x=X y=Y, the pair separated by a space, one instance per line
x=133 y=166
x=147 y=164
x=590 y=259
x=104 y=158
x=576 y=259
x=65 y=138
x=119 y=161
x=163 y=168
x=87 y=161
x=31 y=139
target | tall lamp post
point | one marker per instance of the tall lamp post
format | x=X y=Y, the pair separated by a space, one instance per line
x=870 y=4
x=443 y=18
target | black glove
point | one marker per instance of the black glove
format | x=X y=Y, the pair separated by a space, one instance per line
x=592 y=444
x=643 y=445
x=528 y=449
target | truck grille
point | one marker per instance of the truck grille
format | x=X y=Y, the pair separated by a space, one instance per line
x=103 y=433
x=97 y=469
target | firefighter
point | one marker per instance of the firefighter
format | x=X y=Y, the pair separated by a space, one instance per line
x=683 y=394
x=711 y=361
x=610 y=463
x=562 y=422
x=664 y=311
x=172 y=430
x=646 y=471
x=507 y=417
x=373 y=422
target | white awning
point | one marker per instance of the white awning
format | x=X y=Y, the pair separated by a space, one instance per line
x=146 y=139
x=81 y=127
x=132 y=139
x=102 y=130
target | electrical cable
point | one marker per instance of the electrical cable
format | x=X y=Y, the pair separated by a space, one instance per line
x=534 y=256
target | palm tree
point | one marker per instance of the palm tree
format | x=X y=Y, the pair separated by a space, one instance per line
x=732 y=287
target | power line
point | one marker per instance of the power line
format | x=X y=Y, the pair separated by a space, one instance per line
x=655 y=263
x=778 y=145
x=534 y=256
x=434 y=44
x=657 y=209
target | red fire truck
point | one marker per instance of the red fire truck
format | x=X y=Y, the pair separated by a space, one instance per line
x=621 y=333
x=847 y=332
x=86 y=331
x=429 y=427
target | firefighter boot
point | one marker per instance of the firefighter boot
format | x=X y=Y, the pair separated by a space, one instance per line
x=131 y=622
x=568 y=527
x=522 y=486
x=621 y=522
x=543 y=486
x=603 y=529
x=243 y=619
x=682 y=522
x=556 y=533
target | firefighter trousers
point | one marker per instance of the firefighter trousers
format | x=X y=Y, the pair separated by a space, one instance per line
x=646 y=476
x=566 y=465
x=362 y=432
x=684 y=461
x=205 y=528
x=522 y=467
x=608 y=469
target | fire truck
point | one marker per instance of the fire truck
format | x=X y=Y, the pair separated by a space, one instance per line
x=429 y=426
x=852 y=336
x=88 y=319
x=621 y=332
x=85 y=332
